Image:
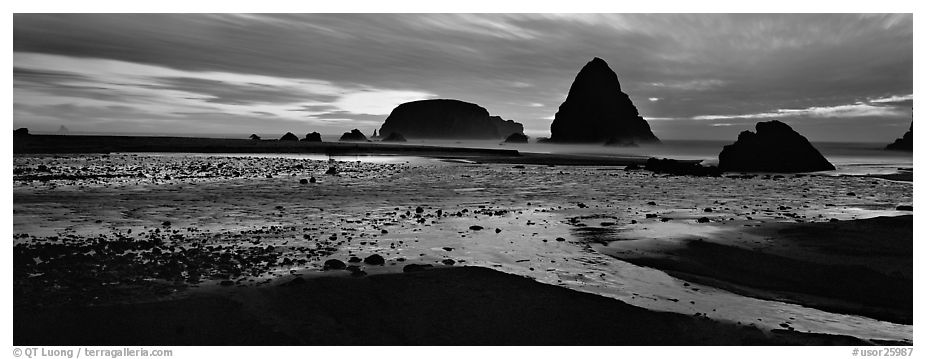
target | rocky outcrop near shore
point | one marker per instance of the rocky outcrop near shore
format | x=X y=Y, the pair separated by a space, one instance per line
x=774 y=147
x=598 y=111
x=516 y=138
x=904 y=143
x=394 y=137
x=446 y=119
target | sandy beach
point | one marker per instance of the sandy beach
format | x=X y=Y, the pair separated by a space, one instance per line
x=143 y=233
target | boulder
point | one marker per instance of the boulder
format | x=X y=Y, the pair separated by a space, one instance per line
x=334 y=264
x=353 y=135
x=774 y=147
x=375 y=259
x=596 y=110
x=446 y=119
x=516 y=138
x=289 y=136
x=904 y=143
x=394 y=137
x=313 y=137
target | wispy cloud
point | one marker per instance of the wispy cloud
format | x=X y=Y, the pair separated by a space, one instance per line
x=840 y=111
x=157 y=93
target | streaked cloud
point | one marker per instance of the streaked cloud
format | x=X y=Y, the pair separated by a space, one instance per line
x=333 y=72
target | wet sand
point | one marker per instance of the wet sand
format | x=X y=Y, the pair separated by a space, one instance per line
x=165 y=226
x=441 y=306
x=860 y=267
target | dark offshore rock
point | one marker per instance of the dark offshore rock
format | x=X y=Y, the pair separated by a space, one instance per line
x=394 y=137
x=353 y=135
x=446 y=118
x=904 y=143
x=254 y=137
x=20 y=132
x=774 y=147
x=313 y=137
x=680 y=168
x=516 y=138
x=596 y=110
x=289 y=136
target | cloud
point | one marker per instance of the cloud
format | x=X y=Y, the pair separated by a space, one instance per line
x=840 y=111
x=299 y=66
x=156 y=93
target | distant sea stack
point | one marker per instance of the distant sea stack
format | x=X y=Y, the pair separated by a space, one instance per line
x=446 y=119
x=597 y=111
x=354 y=135
x=289 y=136
x=312 y=137
x=904 y=143
x=774 y=147
x=516 y=138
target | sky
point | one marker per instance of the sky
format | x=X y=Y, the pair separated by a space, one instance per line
x=833 y=77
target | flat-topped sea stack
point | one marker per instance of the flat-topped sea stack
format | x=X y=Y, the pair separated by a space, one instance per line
x=774 y=147
x=312 y=137
x=353 y=136
x=446 y=119
x=598 y=111
x=904 y=143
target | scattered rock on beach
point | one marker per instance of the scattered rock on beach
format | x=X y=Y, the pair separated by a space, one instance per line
x=905 y=208
x=680 y=168
x=476 y=228
x=375 y=259
x=334 y=264
x=303 y=181
x=332 y=170
x=448 y=261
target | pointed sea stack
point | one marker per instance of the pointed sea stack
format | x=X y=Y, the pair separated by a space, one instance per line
x=774 y=147
x=446 y=119
x=597 y=111
x=903 y=144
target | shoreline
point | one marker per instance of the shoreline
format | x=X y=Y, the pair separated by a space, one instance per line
x=440 y=306
x=58 y=144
